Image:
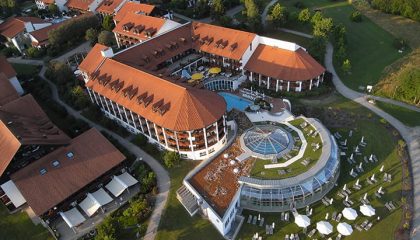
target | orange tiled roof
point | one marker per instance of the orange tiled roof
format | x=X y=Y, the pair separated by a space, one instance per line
x=139 y=26
x=79 y=4
x=226 y=42
x=7 y=68
x=15 y=25
x=9 y=145
x=109 y=6
x=47 y=2
x=93 y=59
x=41 y=35
x=93 y=156
x=133 y=7
x=7 y=91
x=284 y=64
x=171 y=106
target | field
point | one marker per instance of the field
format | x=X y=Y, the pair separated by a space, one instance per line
x=18 y=226
x=176 y=223
x=406 y=116
x=369 y=46
x=386 y=150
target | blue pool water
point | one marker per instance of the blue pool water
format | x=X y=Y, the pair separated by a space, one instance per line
x=234 y=101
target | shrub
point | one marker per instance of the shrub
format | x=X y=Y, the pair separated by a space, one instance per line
x=304 y=15
x=140 y=140
x=299 y=5
x=400 y=44
x=106 y=38
x=356 y=16
x=346 y=67
x=171 y=159
x=35 y=52
x=10 y=51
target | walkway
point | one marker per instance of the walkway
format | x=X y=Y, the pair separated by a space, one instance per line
x=265 y=12
x=163 y=180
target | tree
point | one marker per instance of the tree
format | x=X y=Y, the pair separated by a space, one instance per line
x=304 y=15
x=316 y=17
x=251 y=9
x=53 y=9
x=346 y=67
x=323 y=27
x=317 y=48
x=108 y=23
x=217 y=9
x=91 y=35
x=106 y=38
x=107 y=229
x=171 y=159
x=278 y=15
x=34 y=52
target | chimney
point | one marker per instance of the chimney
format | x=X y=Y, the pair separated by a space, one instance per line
x=107 y=53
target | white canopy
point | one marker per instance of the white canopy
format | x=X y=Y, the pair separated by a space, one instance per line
x=367 y=210
x=302 y=220
x=73 y=217
x=13 y=193
x=349 y=213
x=324 y=227
x=120 y=183
x=344 y=229
x=94 y=201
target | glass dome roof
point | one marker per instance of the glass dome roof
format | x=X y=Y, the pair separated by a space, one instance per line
x=267 y=139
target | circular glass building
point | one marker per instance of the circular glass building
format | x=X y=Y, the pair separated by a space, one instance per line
x=267 y=141
x=277 y=195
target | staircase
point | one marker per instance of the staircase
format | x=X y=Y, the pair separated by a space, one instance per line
x=188 y=200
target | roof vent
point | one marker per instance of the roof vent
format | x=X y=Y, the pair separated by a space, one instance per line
x=69 y=155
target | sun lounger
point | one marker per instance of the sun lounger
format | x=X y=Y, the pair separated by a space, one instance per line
x=311 y=233
x=363 y=225
x=286 y=217
x=368 y=226
x=338 y=217
x=282 y=216
x=358 y=227
x=254 y=220
x=262 y=222
x=286 y=237
x=334 y=215
x=249 y=219
x=338 y=237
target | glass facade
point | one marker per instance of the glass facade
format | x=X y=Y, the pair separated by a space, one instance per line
x=219 y=84
x=293 y=193
x=266 y=139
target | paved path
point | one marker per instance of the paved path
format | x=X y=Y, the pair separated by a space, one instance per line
x=163 y=180
x=82 y=48
x=265 y=12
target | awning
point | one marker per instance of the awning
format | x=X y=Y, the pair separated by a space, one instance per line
x=94 y=201
x=120 y=183
x=73 y=217
x=13 y=193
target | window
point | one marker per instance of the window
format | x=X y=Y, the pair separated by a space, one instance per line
x=203 y=154
x=43 y=171
x=70 y=155
x=211 y=150
x=183 y=155
x=55 y=163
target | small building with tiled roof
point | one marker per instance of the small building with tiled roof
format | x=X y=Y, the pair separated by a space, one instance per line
x=7 y=92
x=43 y=4
x=25 y=127
x=135 y=28
x=51 y=183
x=10 y=74
x=15 y=28
x=83 y=5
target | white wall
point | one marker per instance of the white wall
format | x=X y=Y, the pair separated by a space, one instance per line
x=168 y=25
x=15 y=82
x=279 y=43
x=248 y=53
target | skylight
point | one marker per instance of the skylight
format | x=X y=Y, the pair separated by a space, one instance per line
x=70 y=155
x=55 y=163
x=43 y=171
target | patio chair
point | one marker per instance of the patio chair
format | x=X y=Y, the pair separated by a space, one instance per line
x=338 y=217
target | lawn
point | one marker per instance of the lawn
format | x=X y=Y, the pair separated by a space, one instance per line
x=408 y=117
x=369 y=46
x=296 y=168
x=25 y=69
x=385 y=147
x=18 y=226
x=176 y=223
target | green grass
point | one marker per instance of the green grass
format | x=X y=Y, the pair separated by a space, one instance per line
x=25 y=69
x=296 y=168
x=369 y=46
x=176 y=223
x=18 y=226
x=408 y=117
x=380 y=142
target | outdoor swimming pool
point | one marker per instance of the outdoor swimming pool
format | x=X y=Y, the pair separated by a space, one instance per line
x=234 y=101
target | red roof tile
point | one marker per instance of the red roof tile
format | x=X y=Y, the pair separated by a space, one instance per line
x=79 y=4
x=138 y=25
x=93 y=59
x=7 y=92
x=93 y=156
x=15 y=25
x=109 y=6
x=133 y=7
x=6 y=68
x=284 y=64
x=41 y=35
x=187 y=108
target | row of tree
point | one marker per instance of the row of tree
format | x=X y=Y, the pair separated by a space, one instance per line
x=406 y=8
